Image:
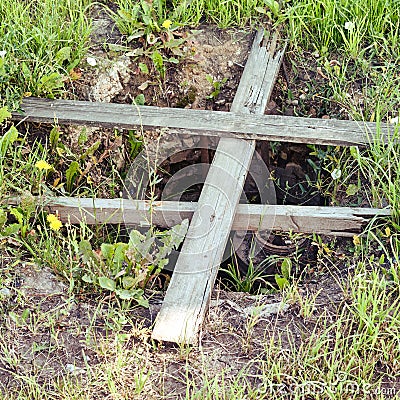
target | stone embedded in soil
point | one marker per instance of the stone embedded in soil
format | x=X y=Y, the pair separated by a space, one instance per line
x=5 y=292
x=256 y=309
x=111 y=80
x=40 y=280
x=266 y=310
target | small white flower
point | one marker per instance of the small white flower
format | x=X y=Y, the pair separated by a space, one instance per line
x=349 y=25
x=394 y=120
x=91 y=61
x=336 y=174
x=2 y=53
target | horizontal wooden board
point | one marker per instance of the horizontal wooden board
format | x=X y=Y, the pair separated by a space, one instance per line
x=338 y=221
x=201 y=122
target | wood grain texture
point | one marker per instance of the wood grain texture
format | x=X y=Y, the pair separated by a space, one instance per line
x=189 y=291
x=203 y=122
x=261 y=70
x=332 y=221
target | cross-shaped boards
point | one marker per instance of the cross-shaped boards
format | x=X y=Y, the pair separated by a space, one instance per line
x=217 y=211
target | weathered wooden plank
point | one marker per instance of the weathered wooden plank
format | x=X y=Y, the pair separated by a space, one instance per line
x=189 y=292
x=336 y=221
x=261 y=71
x=202 y=122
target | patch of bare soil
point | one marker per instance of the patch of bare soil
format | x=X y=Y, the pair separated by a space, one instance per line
x=119 y=75
x=48 y=334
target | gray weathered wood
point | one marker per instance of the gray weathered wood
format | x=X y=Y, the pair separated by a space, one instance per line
x=189 y=291
x=337 y=221
x=259 y=75
x=202 y=122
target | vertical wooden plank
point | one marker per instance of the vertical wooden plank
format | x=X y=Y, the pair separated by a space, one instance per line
x=189 y=291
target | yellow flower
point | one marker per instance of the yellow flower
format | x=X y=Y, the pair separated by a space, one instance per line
x=356 y=240
x=54 y=222
x=167 y=24
x=43 y=165
x=326 y=249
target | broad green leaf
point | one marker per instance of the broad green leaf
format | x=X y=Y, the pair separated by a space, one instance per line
x=90 y=151
x=136 y=35
x=144 y=248
x=355 y=153
x=135 y=238
x=352 y=189
x=8 y=139
x=158 y=62
x=144 y=68
x=107 y=250
x=281 y=282
x=142 y=301
x=4 y=114
x=179 y=232
x=261 y=10
x=140 y=99
x=87 y=278
x=50 y=82
x=25 y=314
x=125 y=294
x=14 y=317
x=54 y=137
x=162 y=263
x=128 y=282
x=11 y=230
x=119 y=253
x=3 y=218
x=71 y=173
x=26 y=71
x=286 y=267
x=174 y=43
x=83 y=137
x=18 y=215
x=107 y=283
x=63 y=54
x=85 y=251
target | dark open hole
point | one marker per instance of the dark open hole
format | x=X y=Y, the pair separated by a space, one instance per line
x=294 y=178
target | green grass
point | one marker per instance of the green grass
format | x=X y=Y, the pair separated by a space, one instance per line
x=363 y=36
x=42 y=41
x=380 y=165
x=134 y=16
x=360 y=28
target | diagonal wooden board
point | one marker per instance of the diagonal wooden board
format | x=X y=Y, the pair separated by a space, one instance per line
x=186 y=301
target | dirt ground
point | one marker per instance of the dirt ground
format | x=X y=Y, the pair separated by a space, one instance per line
x=74 y=332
